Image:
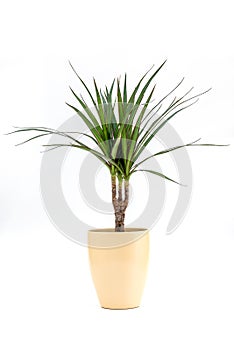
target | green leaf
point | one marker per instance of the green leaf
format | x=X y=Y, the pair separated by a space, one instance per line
x=150 y=133
x=158 y=174
x=120 y=103
x=111 y=161
x=48 y=131
x=91 y=96
x=88 y=111
x=166 y=121
x=162 y=99
x=135 y=133
x=148 y=83
x=32 y=138
x=168 y=150
x=115 y=147
x=91 y=127
x=133 y=95
x=124 y=147
x=141 y=95
x=100 y=110
x=55 y=146
x=125 y=95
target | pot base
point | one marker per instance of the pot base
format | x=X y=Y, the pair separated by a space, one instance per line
x=126 y=308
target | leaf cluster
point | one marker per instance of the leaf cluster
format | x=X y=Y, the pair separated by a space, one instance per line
x=121 y=124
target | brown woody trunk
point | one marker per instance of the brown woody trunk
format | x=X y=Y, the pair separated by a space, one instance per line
x=120 y=204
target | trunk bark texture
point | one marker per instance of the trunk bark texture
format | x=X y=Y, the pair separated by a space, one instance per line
x=120 y=203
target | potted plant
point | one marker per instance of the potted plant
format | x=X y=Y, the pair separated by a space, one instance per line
x=121 y=125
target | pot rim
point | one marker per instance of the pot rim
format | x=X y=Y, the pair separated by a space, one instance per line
x=112 y=230
x=108 y=239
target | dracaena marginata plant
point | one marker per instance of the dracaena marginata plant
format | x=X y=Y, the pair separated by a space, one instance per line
x=120 y=125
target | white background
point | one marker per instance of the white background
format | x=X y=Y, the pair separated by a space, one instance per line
x=47 y=300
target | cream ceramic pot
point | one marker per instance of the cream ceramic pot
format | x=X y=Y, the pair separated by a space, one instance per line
x=118 y=263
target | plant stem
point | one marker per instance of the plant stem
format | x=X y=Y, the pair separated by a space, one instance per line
x=120 y=204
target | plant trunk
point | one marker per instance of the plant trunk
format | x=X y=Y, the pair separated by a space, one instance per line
x=120 y=204
x=119 y=221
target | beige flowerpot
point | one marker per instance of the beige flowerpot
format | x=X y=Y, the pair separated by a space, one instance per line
x=118 y=263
